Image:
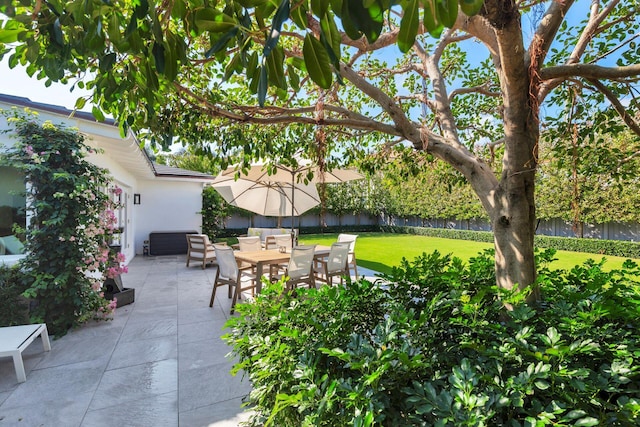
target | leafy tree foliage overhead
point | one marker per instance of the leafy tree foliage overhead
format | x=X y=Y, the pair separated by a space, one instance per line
x=337 y=76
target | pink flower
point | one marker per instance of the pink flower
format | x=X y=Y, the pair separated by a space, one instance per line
x=29 y=150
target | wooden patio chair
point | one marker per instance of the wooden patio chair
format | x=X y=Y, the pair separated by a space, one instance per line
x=351 y=239
x=230 y=274
x=334 y=265
x=200 y=249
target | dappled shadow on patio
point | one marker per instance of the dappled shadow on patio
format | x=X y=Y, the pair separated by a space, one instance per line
x=159 y=362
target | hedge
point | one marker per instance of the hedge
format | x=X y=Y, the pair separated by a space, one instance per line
x=368 y=228
x=619 y=248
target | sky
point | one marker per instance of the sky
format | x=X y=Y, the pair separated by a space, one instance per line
x=18 y=83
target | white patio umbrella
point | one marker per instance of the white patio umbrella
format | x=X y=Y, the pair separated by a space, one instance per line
x=269 y=198
x=259 y=172
x=285 y=175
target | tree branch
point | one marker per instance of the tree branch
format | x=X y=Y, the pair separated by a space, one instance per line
x=481 y=89
x=274 y=115
x=589 y=71
x=595 y=19
x=549 y=25
x=617 y=105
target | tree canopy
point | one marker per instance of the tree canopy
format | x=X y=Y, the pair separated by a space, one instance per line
x=336 y=77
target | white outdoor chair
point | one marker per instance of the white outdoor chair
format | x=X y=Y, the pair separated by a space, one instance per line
x=229 y=274
x=335 y=264
x=275 y=241
x=300 y=267
x=248 y=244
x=200 y=249
x=351 y=239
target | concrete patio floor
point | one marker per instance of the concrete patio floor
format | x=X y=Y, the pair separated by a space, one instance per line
x=159 y=362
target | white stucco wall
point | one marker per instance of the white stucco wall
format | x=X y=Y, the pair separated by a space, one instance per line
x=167 y=203
x=170 y=206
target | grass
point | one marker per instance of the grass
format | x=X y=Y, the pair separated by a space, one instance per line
x=381 y=251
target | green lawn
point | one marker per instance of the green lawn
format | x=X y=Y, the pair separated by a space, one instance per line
x=381 y=251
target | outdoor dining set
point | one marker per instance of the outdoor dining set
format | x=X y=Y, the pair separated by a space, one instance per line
x=242 y=267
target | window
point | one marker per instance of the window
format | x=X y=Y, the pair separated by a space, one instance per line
x=12 y=210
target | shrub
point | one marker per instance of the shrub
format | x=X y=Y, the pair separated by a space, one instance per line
x=14 y=309
x=435 y=346
x=72 y=221
x=619 y=248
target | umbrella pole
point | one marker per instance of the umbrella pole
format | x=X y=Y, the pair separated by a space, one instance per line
x=293 y=199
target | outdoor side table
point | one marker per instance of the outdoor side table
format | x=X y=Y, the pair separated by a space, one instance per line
x=14 y=339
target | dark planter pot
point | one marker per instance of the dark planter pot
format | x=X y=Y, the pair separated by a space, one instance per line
x=123 y=297
x=113 y=288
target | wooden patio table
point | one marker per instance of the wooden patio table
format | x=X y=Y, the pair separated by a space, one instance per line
x=270 y=257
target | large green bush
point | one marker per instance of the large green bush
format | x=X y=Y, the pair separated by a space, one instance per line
x=71 y=223
x=435 y=346
x=14 y=308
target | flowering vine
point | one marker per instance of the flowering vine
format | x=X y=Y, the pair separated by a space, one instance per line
x=72 y=207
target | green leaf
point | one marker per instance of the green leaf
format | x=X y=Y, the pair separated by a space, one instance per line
x=97 y=113
x=317 y=61
x=141 y=9
x=336 y=6
x=231 y=66
x=294 y=79
x=252 y=64
x=541 y=385
x=329 y=29
x=262 y=85
x=447 y=12
x=213 y=20
x=170 y=61
x=10 y=32
x=471 y=7
x=275 y=66
x=330 y=39
x=319 y=7
x=221 y=43
x=282 y=14
x=408 y=26
x=576 y=413
x=80 y=103
x=299 y=15
x=57 y=33
x=587 y=421
x=368 y=20
x=158 y=56
x=348 y=24
x=107 y=61
x=431 y=23
x=179 y=9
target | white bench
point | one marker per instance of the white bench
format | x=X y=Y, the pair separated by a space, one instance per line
x=14 y=339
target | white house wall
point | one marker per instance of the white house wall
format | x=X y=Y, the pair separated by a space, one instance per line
x=167 y=206
x=167 y=203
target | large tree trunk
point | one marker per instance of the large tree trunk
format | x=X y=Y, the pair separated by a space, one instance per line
x=514 y=216
x=513 y=223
